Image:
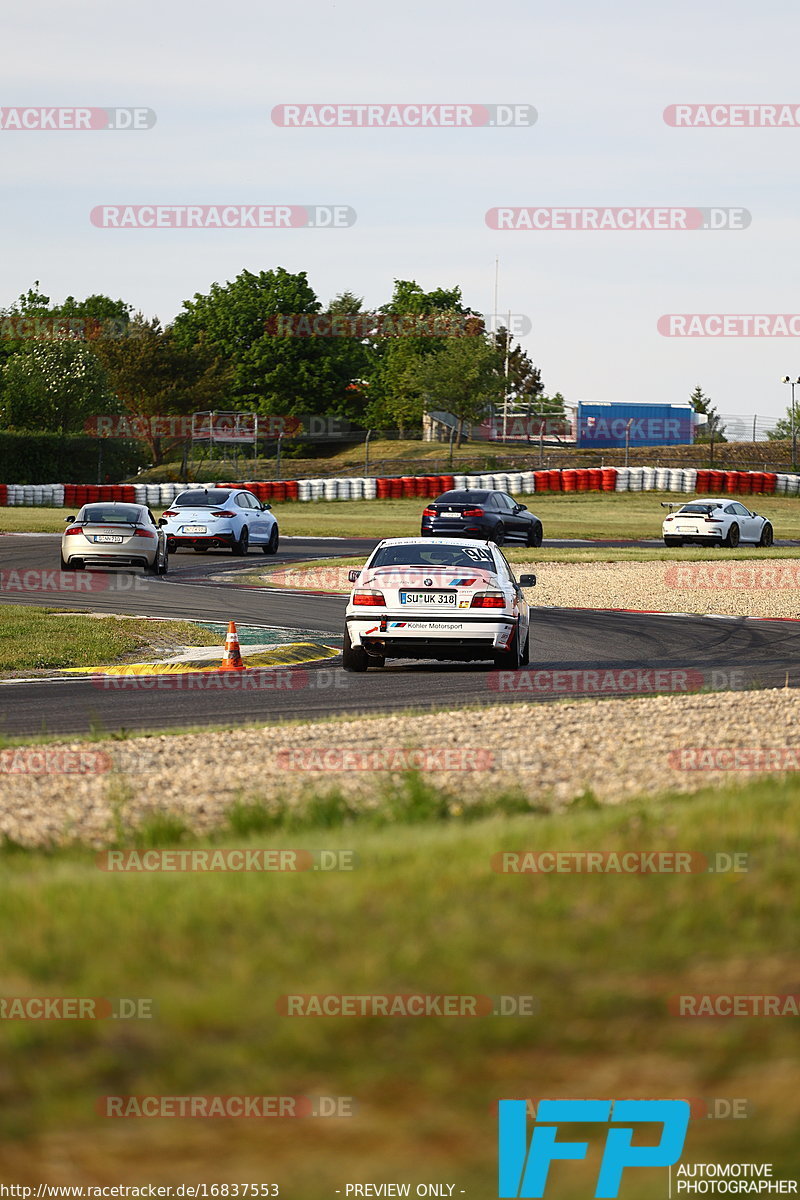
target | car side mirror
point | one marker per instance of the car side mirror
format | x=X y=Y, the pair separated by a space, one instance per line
x=68 y=519
x=267 y=506
x=162 y=521
x=522 y=508
x=353 y=576
x=527 y=581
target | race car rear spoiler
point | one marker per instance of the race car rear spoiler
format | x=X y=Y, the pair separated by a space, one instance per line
x=672 y=503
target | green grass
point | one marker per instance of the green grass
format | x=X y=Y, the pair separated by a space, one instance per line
x=564 y=515
x=42 y=638
x=423 y=912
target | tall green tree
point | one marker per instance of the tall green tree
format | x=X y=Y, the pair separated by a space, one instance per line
x=251 y=322
x=152 y=375
x=713 y=427
x=465 y=378
x=53 y=386
x=414 y=328
x=525 y=386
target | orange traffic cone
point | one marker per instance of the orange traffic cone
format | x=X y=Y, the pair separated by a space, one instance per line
x=232 y=659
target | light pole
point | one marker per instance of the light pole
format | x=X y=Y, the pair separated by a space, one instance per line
x=793 y=384
x=628 y=438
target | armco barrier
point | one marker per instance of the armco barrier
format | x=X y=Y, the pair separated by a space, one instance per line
x=705 y=481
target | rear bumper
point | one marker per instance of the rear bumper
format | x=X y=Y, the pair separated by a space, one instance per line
x=700 y=539
x=437 y=529
x=457 y=637
x=200 y=539
x=135 y=552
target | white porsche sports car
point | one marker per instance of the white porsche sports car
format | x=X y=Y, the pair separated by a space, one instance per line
x=441 y=598
x=717 y=520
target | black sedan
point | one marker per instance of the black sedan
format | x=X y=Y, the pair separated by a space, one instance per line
x=495 y=516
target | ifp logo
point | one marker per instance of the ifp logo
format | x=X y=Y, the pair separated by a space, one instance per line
x=523 y=1170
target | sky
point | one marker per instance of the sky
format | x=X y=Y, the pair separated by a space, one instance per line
x=599 y=76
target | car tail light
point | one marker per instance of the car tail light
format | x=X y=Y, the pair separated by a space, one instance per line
x=223 y=512
x=369 y=598
x=669 y=518
x=715 y=520
x=144 y=533
x=429 y=512
x=488 y=600
x=72 y=529
x=169 y=513
x=472 y=512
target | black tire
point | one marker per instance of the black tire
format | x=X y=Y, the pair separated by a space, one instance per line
x=767 y=535
x=732 y=540
x=162 y=570
x=354 y=658
x=498 y=535
x=240 y=547
x=535 y=534
x=671 y=541
x=525 y=656
x=64 y=566
x=272 y=545
x=152 y=570
x=510 y=659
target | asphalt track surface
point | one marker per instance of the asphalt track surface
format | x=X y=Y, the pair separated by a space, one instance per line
x=572 y=652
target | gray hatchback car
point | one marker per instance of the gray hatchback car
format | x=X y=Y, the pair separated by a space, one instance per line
x=114 y=534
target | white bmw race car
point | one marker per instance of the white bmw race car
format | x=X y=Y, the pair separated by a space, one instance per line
x=717 y=520
x=441 y=598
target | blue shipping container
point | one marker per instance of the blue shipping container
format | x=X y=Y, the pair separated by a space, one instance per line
x=603 y=425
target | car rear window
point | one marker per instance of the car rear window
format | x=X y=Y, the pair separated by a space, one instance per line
x=433 y=556
x=210 y=498
x=107 y=514
x=699 y=509
x=461 y=498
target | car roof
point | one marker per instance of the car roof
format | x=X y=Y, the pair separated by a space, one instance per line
x=720 y=500
x=113 y=504
x=434 y=541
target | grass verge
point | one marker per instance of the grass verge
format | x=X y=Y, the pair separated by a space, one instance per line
x=423 y=911
x=564 y=515
x=45 y=638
